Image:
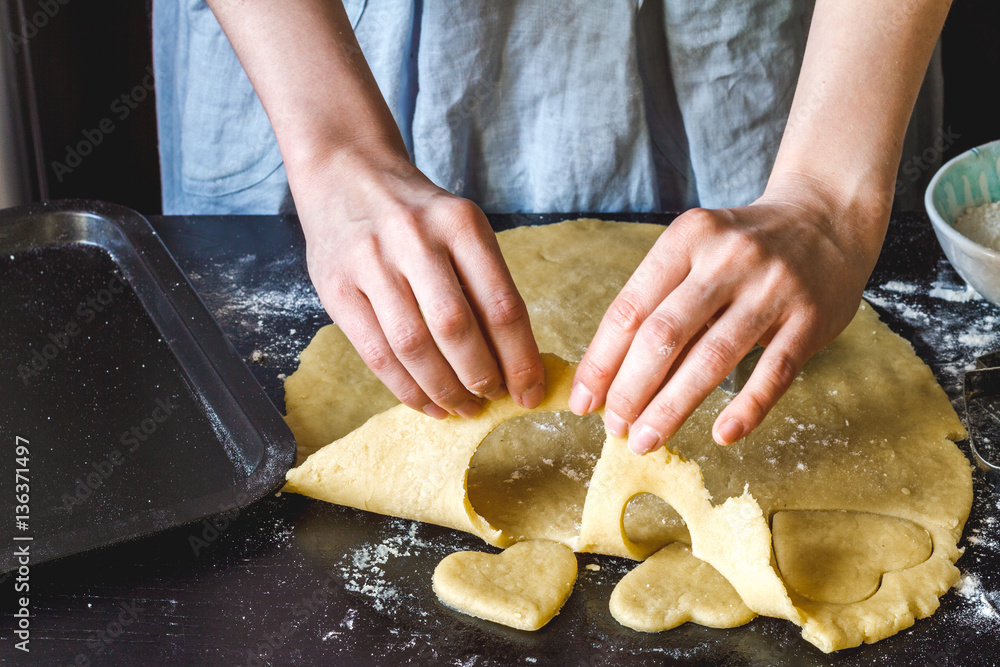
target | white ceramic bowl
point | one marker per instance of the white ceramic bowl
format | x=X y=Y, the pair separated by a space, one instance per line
x=970 y=179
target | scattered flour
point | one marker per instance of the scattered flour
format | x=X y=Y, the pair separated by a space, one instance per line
x=978 y=340
x=939 y=291
x=970 y=588
x=253 y=292
x=266 y=299
x=365 y=572
x=976 y=590
x=666 y=350
x=364 y=568
x=981 y=224
x=950 y=328
x=897 y=286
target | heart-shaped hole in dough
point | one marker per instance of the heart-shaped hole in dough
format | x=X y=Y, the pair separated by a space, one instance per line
x=652 y=523
x=529 y=476
x=523 y=587
x=840 y=557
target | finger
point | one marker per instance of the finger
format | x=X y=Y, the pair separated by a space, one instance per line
x=411 y=341
x=502 y=315
x=656 y=348
x=617 y=425
x=780 y=362
x=707 y=363
x=357 y=320
x=456 y=330
x=657 y=276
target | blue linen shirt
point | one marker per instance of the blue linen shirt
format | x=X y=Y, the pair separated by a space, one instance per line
x=521 y=106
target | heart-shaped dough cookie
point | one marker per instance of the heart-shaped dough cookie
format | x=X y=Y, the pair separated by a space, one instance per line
x=522 y=587
x=673 y=587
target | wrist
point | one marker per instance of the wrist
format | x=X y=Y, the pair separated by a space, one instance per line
x=311 y=154
x=339 y=176
x=855 y=207
x=849 y=190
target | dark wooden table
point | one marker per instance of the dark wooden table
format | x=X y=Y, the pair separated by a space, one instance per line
x=295 y=581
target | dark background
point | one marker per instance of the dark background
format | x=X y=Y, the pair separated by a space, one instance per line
x=91 y=52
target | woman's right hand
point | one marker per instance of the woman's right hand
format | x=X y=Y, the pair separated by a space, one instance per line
x=414 y=277
x=411 y=273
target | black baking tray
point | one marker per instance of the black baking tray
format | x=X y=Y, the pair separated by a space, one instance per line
x=125 y=409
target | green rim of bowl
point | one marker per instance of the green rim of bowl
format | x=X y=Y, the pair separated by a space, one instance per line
x=972 y=171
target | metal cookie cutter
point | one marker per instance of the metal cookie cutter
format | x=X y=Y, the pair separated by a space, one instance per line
x=738 y=377
x=982 y=409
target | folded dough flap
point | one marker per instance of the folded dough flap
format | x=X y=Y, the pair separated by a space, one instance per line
x=404 y=463
x=732 y=537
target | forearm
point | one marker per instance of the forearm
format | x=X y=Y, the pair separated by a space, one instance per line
x=412 y=274
x=863 y=67
x=309 y=73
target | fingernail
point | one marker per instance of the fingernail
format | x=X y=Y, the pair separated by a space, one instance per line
x=435 y=411
x=581 y=400
x=469 y=409
x=730 y=432
x=646 y=439
x=614 y=424
x=533 y=397
x=497 y=393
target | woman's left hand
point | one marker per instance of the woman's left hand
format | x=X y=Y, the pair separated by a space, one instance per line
x=787 y=272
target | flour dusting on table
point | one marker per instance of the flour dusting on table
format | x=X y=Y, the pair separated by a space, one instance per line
x=978 y=608
x=367 y=569
x=965 y=295
x=950 y=321
x=271 y=300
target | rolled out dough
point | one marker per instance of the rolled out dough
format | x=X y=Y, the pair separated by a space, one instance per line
x=857 y=459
